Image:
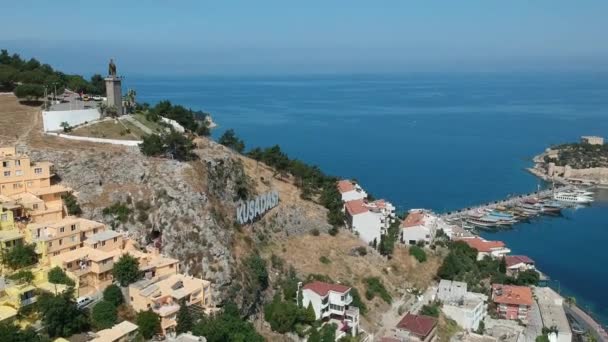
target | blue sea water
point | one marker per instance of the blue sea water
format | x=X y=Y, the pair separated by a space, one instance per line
x=440 y=141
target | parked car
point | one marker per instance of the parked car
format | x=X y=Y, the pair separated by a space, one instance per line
x=81 y=302
x=96 y=98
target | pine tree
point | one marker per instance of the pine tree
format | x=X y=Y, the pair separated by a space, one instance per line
x=502 y=268
x=310 y=314
x=184 y=319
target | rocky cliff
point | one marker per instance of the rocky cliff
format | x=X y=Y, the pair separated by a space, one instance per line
x=190 y=205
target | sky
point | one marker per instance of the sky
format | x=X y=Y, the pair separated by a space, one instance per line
x=278 y=36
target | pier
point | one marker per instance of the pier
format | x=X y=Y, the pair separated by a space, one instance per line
x=509 y=202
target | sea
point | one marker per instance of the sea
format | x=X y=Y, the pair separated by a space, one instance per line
x=441 y=141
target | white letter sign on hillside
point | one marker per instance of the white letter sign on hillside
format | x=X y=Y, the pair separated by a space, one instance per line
x=247 y=211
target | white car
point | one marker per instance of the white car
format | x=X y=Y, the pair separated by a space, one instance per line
x=96 y=98
x=81 y=302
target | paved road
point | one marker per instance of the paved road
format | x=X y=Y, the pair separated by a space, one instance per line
x=587 y=323
x=534 y=328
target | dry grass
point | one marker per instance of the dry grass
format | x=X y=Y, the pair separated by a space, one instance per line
x=110 y=129
x=16 y=119
x=403 y=271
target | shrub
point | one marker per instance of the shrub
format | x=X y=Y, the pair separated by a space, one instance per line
x=376 y=287
x=72 y=204
x=58 y=276
x=148 y=323
x=126 y=270
x=104 y=315
x=333 y=231
x=361 y=250
x=119 y=210
x=315 y=232
x=324 y=260
x=418 y=253
x=20 y=256
x=22 y=277
x=430 y=310
x=113 y=294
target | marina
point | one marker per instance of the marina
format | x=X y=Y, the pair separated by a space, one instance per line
x=504 y=213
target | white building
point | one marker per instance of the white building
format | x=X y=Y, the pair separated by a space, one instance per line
x=466 y=308
x=552 y=312
x=332 y=302
x=369 y=220
x=419 y=225
x=351 y=191
x=493 y=249
x=518 y=263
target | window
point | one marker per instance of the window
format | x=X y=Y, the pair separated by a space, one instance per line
x=6 y=164
x=30 y=183
x=16 y=186
x=60 y=242
x=95 y=231
x=35 y=206
x=7 y=173
x=95 y=246
x=4 y=217
x=38 y=170
x=17 y=162
x=73 y=227
x=50 y=242
x=69 y=265
x=18 y=173
x=115 y=239
x=73 y=238
x=103 y=243
x=61 y=230
x=56 y=254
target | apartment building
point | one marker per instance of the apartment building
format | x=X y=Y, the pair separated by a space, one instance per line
x=163 y=295
x=61 y=236
x=124 y=331
x=512 y=302
x=518 y=263
x=332 y=302
x=369 y=220
x=90 y=268
x=493 y=249
x=351 y=191
x=416 y=328
x=468 y=309
x=26 y=187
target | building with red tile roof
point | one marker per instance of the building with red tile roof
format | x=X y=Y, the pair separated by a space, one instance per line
x=350 y=190
x=356 y=207
x=417 y=327
x=322 y=288
x=494 y=249
x=513 y=302
x=332 y=301
x=518 y=263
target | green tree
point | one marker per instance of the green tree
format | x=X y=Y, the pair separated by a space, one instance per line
x=227 y=326
x=72 y=204
x=8 y=76
x=152 y=145
x=60 y=316
x=10 y=332
x=104 y=315
x=528 y=277
x=310 y=316
x=126 y=270
x=66 y=126
x=230 y=140
x=112 y=111
x=418 y=253
x=148 y=323
x=315 y=335
x=503 y=266
x=20 y=256
x=185 y=323
x=257 y=266
x=29 y=92
x=58 y=276
x=22 y=277
x=481 y=329
x=430 y=310
x=328 y=332
x=113 y=294
x=178 y=146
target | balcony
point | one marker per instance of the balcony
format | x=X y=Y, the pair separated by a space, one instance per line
x=165 y=310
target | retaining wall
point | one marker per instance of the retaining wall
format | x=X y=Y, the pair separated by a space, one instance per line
x=52 y=119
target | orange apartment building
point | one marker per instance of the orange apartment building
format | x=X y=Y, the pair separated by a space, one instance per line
x=91 y=265
x=164 y=295
x=25 y=187
x=61 y=236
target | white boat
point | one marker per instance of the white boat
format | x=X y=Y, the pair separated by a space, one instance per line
x=572 y=197
x=583 y=192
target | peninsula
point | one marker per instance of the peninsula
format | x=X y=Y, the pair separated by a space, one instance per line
x=585 y=162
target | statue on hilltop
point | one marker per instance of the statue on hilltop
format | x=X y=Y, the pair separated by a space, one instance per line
x=112 y=68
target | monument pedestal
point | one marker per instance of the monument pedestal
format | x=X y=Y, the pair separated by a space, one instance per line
x=114 y=93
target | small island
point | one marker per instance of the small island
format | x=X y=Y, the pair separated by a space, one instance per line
x=585 y=162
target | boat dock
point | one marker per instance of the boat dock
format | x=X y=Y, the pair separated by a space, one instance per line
x=512 y=201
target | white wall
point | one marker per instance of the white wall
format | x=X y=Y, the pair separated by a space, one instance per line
x=98 y=140
x=309 y=296
x=176 y=126
x=353 y=195
x=52 y=120
x=368 y=226
x=415 y=233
